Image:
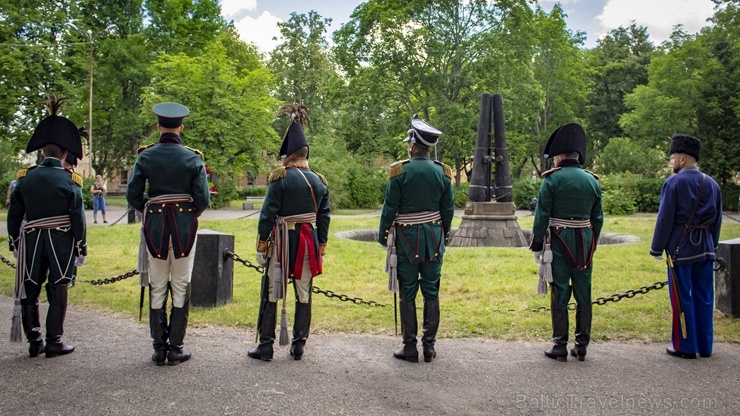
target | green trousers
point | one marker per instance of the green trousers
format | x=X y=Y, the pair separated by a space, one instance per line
x=425 y=274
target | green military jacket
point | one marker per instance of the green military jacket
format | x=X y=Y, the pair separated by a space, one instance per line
x=48 y=190
x=418 y=185
x=288 y=194
x=169 y=168
x=569 y=192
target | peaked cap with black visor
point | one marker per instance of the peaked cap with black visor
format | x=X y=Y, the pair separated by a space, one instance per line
x=55 y=129
x=170 y=115
x=566 y=139
x=422 y=133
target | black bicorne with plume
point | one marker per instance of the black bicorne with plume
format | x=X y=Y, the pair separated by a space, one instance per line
x=55 y=129
x=294 y=139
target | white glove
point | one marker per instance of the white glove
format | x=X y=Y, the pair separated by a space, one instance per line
x=537 y=256
x=262 y=258
x=79 y=261
x=659 y=258
x=15 y=254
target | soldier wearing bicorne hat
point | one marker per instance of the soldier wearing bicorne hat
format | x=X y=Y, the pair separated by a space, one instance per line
x=293 y=230
x=414 y=227
x=567 y=225
x=46 y=227
x=177 y=194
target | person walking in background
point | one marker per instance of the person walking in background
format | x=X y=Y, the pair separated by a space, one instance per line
x=687 y=232
x=567 y=225
x=293 y=230
x=46 y=225
x=177 y=194
x=98 y=197
x=416 y=218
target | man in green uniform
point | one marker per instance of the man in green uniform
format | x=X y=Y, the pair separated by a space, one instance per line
x=568 y=221
x=417 y=216
x=46 y=228
x=292 y=235
x=177 y=195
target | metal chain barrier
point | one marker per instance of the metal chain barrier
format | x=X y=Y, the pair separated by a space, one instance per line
x=122 y=217
x=730 y=216
x=109 y=280
x=235 y=257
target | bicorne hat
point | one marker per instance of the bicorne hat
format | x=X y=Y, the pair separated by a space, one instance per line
x=422 y=132
x=56 y=129
x=683 y=143
x=294 y=139
x=170 y=115
x=566 y=139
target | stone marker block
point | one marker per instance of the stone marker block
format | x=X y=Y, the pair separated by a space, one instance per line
x=727 y=280
x=213 y=274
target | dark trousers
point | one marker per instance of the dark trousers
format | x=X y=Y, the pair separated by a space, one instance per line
x=696 y=291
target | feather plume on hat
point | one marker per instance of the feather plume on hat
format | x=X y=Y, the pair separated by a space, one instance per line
x=293 y=138
x=55 y=129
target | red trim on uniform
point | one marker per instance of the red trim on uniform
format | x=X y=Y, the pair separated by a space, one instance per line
x=305 y=243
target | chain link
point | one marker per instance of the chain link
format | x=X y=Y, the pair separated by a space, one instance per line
x=730 y=216
x=235 y=257
x=122 y=217
x=109 y=280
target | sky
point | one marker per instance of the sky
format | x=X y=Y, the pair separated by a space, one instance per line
x=256 y=20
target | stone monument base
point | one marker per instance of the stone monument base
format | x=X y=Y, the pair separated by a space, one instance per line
x=489 y=224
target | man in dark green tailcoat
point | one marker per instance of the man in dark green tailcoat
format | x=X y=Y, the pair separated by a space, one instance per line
x=46 y=229
x=177 y=195
x=568 y=221
x=292 y=235
x=417 y=212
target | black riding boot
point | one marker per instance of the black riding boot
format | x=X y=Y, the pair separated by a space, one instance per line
x=431 y=324
x=559 y=350
x=57 y=297
x=178 y=325
x=266 y=328
x=408 y=351
x=583 y=331
x=32 y=327
x=160 y=334
x=301 y=325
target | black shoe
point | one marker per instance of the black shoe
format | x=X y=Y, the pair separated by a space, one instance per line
x=579 y=351
x=159 y=356
x=673 y=353
x=705 y=355
x=177 y=356
x=557 y=352
x=407 y=352
x=429 y=353
x=60 y=348
x=105 y=222
x=296 y=351
x=95 y=222
x=35 y=348
x=263 y=352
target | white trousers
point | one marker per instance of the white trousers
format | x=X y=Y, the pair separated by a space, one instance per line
x=176 y=272
x=302 y=285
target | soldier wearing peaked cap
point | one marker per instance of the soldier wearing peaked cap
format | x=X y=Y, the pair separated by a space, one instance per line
x=46 y=227
x=292 y=232
x=687 y=231
x=177 y=194
x=567 y=225
x=414 y=227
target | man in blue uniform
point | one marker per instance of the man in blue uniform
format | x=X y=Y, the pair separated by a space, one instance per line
x=417 y=215
x=177 y=195
x=687 y=231
x=292 y=235
x=46 y=227
x=568 y=220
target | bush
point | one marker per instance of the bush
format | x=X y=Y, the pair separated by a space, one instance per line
x=617 y=202
x=226 y=193
x=246 y=191
x=365 y=187
x=730 y=193
x=86 y=195
x=524 y=190
x=461 y=194
x=648 y=194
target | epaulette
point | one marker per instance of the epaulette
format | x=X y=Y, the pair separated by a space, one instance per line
x=592 y=174
x=321 y=177
x=396 y=168
x=142 y=148
x=203 y=158
x=550 y=172
x=447 y=169
x=276 y=174
x=76 y=178
x=23 y=171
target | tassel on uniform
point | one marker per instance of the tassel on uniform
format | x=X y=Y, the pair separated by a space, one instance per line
x=277 y=284
x=284 y=339
x=544 y=271
x=16 y=331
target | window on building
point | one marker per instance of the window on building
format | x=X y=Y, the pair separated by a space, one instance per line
x=124 y=177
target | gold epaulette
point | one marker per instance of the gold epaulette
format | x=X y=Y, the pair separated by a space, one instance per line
x=321 y=177
x=592 y=174
x=396 y=168
x=447 y=169
x=76 y=178
x=550 y=172
x=276 y=174
x=22 y=172
x=142 y=148
x=202 y=157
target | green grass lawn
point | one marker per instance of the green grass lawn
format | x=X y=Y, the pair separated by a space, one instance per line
x=479 y=285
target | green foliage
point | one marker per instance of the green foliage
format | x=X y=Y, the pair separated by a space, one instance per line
x=251 y=191
x=647 y=197
x=86 y=194
x=524 y=190
x=364 y=187
x=461 y=194
x=227 y=192
x=617 y=202
x=622 y=154
x=730 y=194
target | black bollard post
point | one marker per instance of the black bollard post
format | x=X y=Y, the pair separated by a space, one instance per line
x=503 y=190
x=480 y=181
